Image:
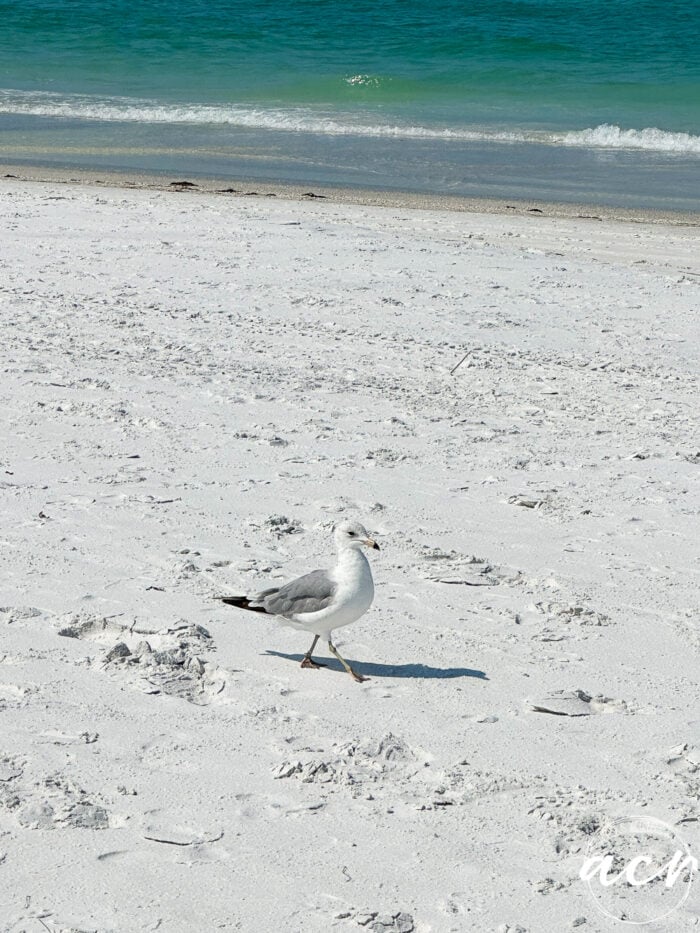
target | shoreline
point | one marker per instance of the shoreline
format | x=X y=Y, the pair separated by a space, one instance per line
x=366 y=197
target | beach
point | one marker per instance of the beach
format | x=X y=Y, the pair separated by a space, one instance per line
x=195 y=387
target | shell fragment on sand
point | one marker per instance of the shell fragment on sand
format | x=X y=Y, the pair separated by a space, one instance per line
x=577 y=703
x=564 y=703
x=161 y=828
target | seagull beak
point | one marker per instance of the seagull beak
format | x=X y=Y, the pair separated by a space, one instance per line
x=370 y=542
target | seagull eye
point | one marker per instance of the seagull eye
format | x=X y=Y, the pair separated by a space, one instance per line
x=352 y=534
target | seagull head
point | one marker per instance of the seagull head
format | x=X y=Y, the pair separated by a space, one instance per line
x=353 y=535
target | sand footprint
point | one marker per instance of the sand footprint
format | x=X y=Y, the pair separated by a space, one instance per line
x=167 y=661
x=52 y=802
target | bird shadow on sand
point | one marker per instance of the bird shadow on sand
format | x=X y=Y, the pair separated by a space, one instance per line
x=370 y=669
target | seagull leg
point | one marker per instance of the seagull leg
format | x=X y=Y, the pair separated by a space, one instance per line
x=358 y=677
x=308 y=660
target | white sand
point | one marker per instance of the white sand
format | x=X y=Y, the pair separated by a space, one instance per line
x=178 y=371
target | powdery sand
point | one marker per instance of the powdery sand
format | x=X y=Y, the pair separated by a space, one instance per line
x=193 y=390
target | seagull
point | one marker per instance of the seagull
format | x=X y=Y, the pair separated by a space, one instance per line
x=324 y=600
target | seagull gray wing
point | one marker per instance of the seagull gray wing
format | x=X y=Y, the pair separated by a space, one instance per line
x=310 y=593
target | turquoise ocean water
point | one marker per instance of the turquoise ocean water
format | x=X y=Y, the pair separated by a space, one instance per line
x=590 y=100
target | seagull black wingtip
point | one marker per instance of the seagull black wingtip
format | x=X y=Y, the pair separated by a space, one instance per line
x=241 y=602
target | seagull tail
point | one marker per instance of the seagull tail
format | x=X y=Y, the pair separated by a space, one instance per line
x=241 y=602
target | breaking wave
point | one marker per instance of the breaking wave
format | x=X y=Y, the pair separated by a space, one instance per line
x=306 y=120
x=607 y=136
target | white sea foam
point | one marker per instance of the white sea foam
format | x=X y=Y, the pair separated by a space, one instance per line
x=363 y=81
x=306 y=120
x=607 y=136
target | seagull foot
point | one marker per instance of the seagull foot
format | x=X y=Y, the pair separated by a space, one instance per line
x=309 y=662
x=358 y=677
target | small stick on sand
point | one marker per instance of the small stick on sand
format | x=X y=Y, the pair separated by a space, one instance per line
x=455 y=368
